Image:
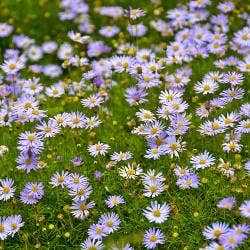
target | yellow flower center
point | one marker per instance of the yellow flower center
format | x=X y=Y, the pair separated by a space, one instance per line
x=12 y=66
x=153 y=238
x=203 y=161
x=83 y=207
x=217 y=233
x=6 y=189
x=157 y=213
x=35 y=189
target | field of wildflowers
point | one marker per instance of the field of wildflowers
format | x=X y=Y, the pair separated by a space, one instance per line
x=124 y=125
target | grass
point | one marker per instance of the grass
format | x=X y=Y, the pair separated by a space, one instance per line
x=191 y=210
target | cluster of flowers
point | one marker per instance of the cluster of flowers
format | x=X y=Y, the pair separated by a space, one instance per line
x=225 y=237
x=10 y=225
x=79 y=188
x=196 y=34
x=32 y=193
x=107 y=224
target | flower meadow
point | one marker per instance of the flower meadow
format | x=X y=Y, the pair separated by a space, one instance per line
x=124 y=125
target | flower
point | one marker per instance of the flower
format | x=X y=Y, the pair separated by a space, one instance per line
x=247 y=167
x=153 y=188
x=76 y=37
x=49 y=129
x=202 y=160
x=216 y=230
x=92 y=101
x=226 y=203
x=131 y=171
x=32 y=193
x=231 y=240
x=14 y=224
x=121 y=156
x=5 y=29
x=110 y=221
x=98 y=149
x=156 y=212
x=245 y=209
x=114 y=200
x=153 y=237
x=77 y=161
x=59 y=179
x=134 y=13
x=97 y=231
x=4 y=228
x=12 y=66
x=7 y=189
x=188 y=180
x=80 y=209
x=92 y=244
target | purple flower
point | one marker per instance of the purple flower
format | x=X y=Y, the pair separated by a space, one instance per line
x=32 y=193
x=97 y=231
x=110 y=221
x=98 y=175
x=152 y=238
x=226 y=203
x=189 y=180
x=77 y=161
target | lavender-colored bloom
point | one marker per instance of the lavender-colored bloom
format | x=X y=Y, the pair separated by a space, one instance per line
x=98 y=149
x=114 y=200
x=189 y=180
x=152 y=238
x=81 y=193
x=22 y=41
x=12 y=66
x=76 y=180
x=80 y=209
x=216 y=230
x=202 y=160
x=7 y=189
x=245 y=209
x=137 y=30
x=135 y=96
x=5 y=29
x=4 y=228
x=27 y=161
x=97 y=231
x=52 y=70
x=76 y=120
x=110 y=221
x=92 y=244
x=49 y=47
x=77 y=161
x=109 y=31
x=231 y=240
x=14 y=223
x=226 y=203
x=97 y=48
x=245 y=109
x=157 y=212
x=35 y=189
x=49 y=129
x=30 y=141
x=156 y=152
x=59 y=179
x=98 y=175
x=241 y=229
x=32 y=193
x=247 y=166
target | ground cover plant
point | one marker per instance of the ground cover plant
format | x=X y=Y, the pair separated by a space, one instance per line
x=124 y=124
